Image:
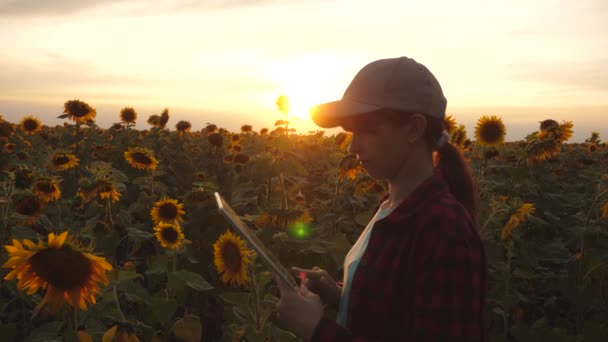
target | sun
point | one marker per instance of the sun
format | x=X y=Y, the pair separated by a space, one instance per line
x=304 y=88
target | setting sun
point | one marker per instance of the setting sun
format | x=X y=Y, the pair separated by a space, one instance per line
x=298 y=80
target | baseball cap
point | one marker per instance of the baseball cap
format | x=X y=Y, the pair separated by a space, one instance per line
x=401 y=84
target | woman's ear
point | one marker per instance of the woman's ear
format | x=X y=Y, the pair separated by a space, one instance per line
x=416 y=127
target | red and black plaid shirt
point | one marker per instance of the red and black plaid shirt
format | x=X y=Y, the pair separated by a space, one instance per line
x=421 y=278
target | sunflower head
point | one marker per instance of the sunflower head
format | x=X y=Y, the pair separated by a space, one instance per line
x=210 y=129
x=128 y=115
x=343 y=139
x=154 y=120
x=605 y=211
x=183 y=126
x=548 y=125
x=30 y=125
x=141 y=158
x=6 y=129
x=43 y=265
x=62 y=161
x=350 y=166
x=47 y=189
x=79 y=111
x=167 y=210
x=164 y=118
x=241 y=158
x=169 y=235
x=107 y=190
x=543 y=149
x=518 y=216
x=264 y=131
x=490 y=131
x=216 y=139
x=246 y=129
x=30 y=206
x=449 y=124
x=231 y=258
x=592 y=147
x=564 y=132
x=9 y=148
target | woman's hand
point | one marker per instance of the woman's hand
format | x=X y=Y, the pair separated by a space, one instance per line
x=320 y=282
x=299 y=311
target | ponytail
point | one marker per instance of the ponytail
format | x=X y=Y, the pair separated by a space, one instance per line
x=456 y=170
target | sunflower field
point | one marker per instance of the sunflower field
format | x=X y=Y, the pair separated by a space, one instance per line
x=113 y=234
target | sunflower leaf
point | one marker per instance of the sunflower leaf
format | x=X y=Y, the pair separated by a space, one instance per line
x=139 y=234
x=180 y=279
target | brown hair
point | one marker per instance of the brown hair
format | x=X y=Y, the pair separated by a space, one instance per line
x=449 y=160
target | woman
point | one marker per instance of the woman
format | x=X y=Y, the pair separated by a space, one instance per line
x=418 y=270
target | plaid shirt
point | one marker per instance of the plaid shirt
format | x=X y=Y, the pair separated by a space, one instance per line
x=422 y=277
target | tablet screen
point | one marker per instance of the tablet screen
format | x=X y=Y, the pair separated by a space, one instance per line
x=268 y=258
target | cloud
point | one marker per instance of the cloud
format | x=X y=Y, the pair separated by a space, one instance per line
x=589 y=75
x=27 y=8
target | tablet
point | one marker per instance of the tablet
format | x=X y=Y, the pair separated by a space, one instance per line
x=267 y=257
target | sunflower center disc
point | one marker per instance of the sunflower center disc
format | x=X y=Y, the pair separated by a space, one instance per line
x=168 y=211
x=63 y=268
x=169 y=235
x=141 y=158
x=232 y=257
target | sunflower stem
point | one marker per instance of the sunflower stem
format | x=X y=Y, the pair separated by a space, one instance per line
x=174 y=260
x=285 y=204
x=151 y=175
x=586 y=224
x=58 y=213
x=256 y=309
x=507 y=299
x=5 y=211
x=122 y=315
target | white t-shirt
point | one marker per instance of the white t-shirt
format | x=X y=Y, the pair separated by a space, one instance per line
x=351 y=262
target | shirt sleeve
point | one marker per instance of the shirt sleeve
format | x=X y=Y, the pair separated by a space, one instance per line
x=447 y=300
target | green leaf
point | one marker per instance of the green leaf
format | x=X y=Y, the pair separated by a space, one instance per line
x=162 y=308
x=139 y=234
x=180 y=279
x=235 y=298
x=240 y=314
x=46 y=332
x=158 y=265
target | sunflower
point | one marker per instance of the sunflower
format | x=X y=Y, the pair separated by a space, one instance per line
x=6 y=129
x=459 y=137
x=543 y=149
x=29 y=206
x=548 y=125
x=141 y=158
x=490 y=131
x=241 y=158
x=61 y=161
x=519 y=216
x=169 y=235
x=128 y=115
x=183 y=127
x=154 y=120
x=350 y=166
x=44 y=266
x=264 y=131
x=343 y=139
x=564 y=132
x=216 y=139
x=107 y=190
x=591 y=147
x=210 y=129
x=246 y=129
x=605 y=210
x=47 y=189
x=164 y=118
x=30 y=125
x=24 y=177
x=9 y=147
x=281 y=219
x=450 y=124
x=231 y=258
x=79 y=111
x=167 y=210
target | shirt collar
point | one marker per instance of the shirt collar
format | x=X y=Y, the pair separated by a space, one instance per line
x=426 y=191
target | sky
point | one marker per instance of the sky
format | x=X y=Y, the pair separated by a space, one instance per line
x=227 y=61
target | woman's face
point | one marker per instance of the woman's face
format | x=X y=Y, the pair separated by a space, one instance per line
x=382 y=146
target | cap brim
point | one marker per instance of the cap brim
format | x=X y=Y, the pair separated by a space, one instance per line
x=333 y=114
